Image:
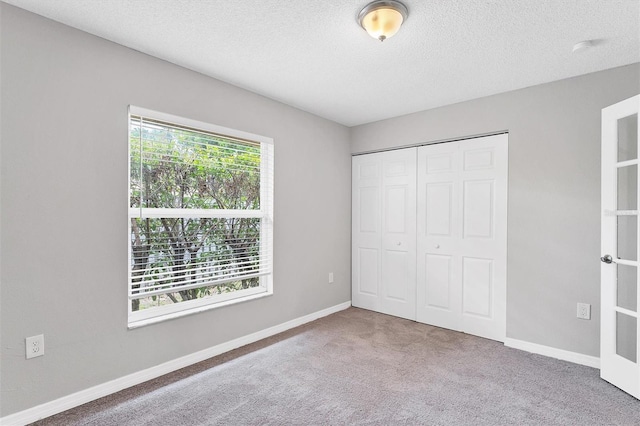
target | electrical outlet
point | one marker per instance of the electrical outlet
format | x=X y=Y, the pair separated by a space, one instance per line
x=34 y=346
x=330 y=277
x=584 y=311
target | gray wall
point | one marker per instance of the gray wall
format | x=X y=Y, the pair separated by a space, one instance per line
x=64 y=208
x=554 y=193
x=63 y=189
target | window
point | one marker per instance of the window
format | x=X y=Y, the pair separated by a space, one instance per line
x=200 y=216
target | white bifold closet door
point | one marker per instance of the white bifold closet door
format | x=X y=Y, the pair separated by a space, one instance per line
x=429 y=234
x=462 y=241
x=384 y=232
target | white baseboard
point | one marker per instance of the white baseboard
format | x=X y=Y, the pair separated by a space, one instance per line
x=82 y=397
x=576 y=358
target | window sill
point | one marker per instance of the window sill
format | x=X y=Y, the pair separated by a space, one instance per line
x=161 y=318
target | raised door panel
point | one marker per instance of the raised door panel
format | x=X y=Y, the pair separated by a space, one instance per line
x=437 y=163
x=478 y=159
x=477 y=287
x=438 y=273
x=368 y=209
x=368 y=170
x=397 y=272
x=396 y=209
x=367 y=266
x=439 y=215
x=396 y=166
x=478 y=211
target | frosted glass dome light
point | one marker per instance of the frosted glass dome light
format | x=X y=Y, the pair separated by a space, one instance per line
x=382 y=19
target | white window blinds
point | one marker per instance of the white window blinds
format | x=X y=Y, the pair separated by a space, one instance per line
x=200 y=214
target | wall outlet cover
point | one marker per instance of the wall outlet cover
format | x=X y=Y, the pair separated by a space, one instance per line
x=34 y=346
x=584 y=311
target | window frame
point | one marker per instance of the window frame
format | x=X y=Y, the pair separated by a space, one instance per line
x=265 y=213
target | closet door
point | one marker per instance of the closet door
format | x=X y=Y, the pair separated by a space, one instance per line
x=384 y=232
x=462 y=241
x=439 y=289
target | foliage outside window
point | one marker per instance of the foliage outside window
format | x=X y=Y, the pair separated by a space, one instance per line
x=200 y=215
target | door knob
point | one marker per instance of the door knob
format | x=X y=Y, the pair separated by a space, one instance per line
x=606 y=258
x=437 y=245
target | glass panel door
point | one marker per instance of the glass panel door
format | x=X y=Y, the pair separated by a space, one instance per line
x=619 y=273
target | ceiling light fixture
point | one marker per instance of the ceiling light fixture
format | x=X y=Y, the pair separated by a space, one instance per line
x=382 y=19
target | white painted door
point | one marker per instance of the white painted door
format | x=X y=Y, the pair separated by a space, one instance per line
x=462 y=240
x=619 y=329
x=384 y=232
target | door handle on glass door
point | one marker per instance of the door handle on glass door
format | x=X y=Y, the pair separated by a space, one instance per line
x=606 y=259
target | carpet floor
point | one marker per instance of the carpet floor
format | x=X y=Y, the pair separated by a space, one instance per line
x=358 y=367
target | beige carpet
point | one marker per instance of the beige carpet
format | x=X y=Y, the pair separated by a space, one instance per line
x=360 y=367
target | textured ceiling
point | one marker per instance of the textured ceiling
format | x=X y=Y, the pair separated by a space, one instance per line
x=313 y=55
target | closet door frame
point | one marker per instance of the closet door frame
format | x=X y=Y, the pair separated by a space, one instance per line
x=467 y=182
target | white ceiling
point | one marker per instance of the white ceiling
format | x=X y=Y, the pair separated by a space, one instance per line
x=313 y=55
